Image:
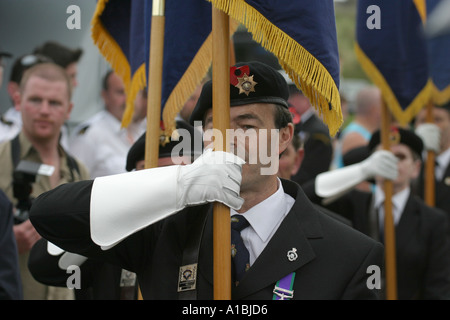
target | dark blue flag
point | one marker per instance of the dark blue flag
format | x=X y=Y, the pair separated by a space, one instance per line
x=392 y=50
x=302 y=35
x=439 y=61
x=121 y=29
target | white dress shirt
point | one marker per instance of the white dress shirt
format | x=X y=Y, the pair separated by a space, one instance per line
x=398 y=205
x=9 y=131
x=443 y=161
x=104 y=146
x=264 y=219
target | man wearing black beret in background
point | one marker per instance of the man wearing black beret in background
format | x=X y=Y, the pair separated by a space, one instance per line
x=316 y=139
x=63 y=56
x=422 y=241
x=147 y=221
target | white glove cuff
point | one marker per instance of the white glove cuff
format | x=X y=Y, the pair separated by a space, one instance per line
x=120 y=204
x=53 y=249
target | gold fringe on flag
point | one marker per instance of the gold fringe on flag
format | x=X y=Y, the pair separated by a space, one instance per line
x=440 y=97
x=138 y=83
x=308 y=73
x=112 y=52
x=192 y=77
x=421 y=7
x=403 y=116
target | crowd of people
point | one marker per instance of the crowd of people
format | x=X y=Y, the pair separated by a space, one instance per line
x=82 y=196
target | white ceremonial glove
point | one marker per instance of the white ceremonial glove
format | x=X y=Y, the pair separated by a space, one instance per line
x=122 y=204
x=209 y=180
x=337 y=182
x=380 y=163
x=430 y=135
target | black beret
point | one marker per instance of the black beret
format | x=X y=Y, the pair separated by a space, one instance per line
x=137 y=150
x=399 y=135
x=24 y=63
x=355 y=155
x=5 y=54
x=250 y=82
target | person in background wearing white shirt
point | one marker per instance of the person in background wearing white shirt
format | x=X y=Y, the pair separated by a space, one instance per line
x=101 y=142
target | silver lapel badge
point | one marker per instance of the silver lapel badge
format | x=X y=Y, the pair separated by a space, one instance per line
x=292 y=254
x=447 y=181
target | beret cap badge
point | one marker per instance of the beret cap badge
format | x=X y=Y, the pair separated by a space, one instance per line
x=394 y=136
x=239 y=77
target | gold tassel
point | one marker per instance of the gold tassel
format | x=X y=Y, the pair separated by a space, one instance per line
x=303 y=68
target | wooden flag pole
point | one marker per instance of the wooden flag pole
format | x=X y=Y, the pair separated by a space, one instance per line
x=154 y=87
x=221 y=121
x=389 y=229
x=154 y=84
x=429 y=165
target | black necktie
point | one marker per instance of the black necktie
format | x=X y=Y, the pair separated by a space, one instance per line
x=239 y=253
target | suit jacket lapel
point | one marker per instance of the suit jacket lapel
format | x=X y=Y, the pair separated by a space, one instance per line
x=273 y=263
x=301 y=223
x=442 y=185
x=407 y=224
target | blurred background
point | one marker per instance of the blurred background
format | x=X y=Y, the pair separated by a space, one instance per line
x=25 y=24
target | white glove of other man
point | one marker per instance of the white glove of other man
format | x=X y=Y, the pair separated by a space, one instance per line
x=339 y=181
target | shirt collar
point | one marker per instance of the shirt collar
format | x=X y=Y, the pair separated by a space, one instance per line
x=25 y=145
x=444 y=158
x=266 y=215
x=398 y=201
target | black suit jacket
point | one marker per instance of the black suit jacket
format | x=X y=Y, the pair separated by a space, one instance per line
x=99 y=280
x=423 y=252
x=442 y=190
x=318 y=149
x=422 y=243
x=332 y=263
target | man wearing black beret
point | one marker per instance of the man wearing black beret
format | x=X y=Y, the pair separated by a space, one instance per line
x=422 y=241
x=149 y=220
